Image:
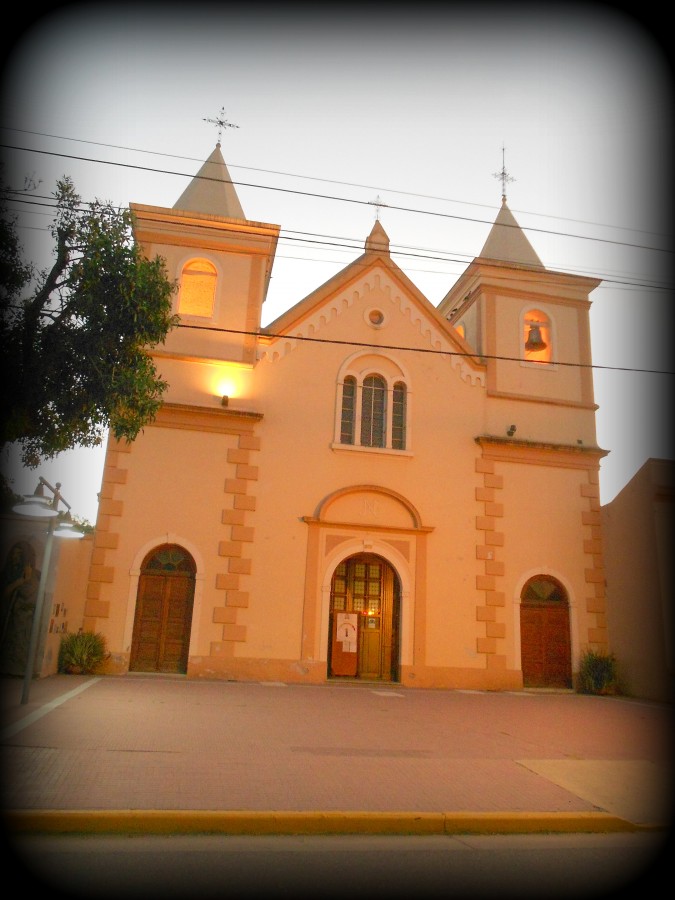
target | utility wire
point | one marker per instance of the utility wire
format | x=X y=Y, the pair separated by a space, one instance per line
x=317 y=178
x=462 y=353
x=312 y=239
x=354 y=244
x=331 y=197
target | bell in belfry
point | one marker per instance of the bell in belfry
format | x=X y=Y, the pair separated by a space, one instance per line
x=534 y=339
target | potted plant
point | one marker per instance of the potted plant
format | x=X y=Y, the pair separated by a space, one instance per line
x=598 y=673
x=81 y=653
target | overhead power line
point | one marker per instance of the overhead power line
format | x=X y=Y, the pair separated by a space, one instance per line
x=332 y=197
x=399 y=348
x=369 y=187
x=354 y=244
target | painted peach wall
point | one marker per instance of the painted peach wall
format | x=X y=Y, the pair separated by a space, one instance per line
x=65 y=586
x=71 y=569
x=242 y=491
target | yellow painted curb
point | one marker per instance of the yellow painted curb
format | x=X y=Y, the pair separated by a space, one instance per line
x=532 y=823
x=160 y=821
x=172 y=821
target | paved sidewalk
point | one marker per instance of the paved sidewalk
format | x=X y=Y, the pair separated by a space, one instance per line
x=158 y=754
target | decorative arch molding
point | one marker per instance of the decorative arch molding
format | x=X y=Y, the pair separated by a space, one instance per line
x=366 y=518
x=135 y=573
x=370 y=356
x=364 y=493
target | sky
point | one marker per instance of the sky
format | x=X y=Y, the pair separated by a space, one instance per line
x=345 y=113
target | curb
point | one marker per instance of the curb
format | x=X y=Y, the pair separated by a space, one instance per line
x=280 y=822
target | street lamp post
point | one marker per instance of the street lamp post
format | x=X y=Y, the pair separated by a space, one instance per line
x=37 y=505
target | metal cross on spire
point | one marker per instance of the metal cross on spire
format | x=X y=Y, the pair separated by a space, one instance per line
x=221 y=122
x=503 y=176
x=377 y=203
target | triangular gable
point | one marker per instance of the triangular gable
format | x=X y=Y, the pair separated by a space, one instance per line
x=297 y=320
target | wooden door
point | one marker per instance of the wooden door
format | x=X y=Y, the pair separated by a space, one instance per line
x=364 y=589
x=161 y=637
x=545 y=635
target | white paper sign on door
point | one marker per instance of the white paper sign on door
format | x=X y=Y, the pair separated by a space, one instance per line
x=346 y=631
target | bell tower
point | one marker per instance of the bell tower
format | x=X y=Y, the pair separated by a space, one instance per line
x=530 y=326
x=222 y=264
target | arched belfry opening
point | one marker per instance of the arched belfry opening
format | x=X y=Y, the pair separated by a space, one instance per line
x=163 y=619
x=364 y=619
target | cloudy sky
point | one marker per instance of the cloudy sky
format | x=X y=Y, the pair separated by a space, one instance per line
x=343 y=108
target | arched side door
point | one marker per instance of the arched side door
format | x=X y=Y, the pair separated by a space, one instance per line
x=166 y=589
x=364 y=619
x=546 y=657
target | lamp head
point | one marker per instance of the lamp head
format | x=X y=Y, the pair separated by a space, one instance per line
x=66 y=529
x=36 y=504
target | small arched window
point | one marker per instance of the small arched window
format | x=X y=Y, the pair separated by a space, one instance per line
x=536 y=337
x=169 y=558
x=543 y=589
x=197 y=288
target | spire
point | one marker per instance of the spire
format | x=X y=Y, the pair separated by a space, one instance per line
x=378 y=239
x=211 y=190
x=507 y=242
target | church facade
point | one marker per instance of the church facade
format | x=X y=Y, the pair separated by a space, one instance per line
x=370 y=487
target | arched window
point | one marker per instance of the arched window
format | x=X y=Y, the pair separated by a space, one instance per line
x=536 y=337
x=197 y=288
x=169 y=558
x=373 y=412
x=543 y=589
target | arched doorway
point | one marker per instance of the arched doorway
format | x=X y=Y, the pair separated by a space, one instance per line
x=545 y=634
x=163 y=619
x=365 y=601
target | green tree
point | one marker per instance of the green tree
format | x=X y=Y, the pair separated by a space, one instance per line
x=75 y=337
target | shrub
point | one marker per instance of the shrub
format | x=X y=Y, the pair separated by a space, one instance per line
x=598 y=674
x=81 y=653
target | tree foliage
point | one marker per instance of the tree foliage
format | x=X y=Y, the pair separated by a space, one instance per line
x=75 y=337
